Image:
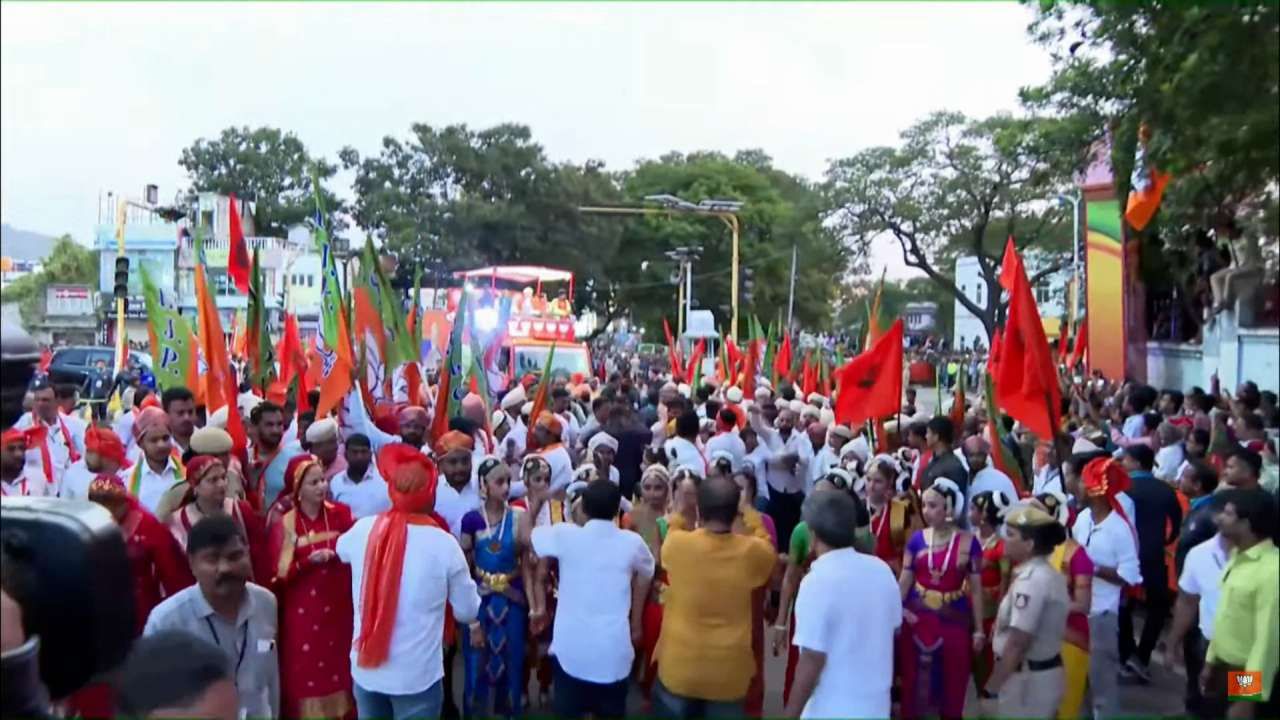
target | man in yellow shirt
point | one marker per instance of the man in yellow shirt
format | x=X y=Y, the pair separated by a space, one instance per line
x=1246 y=625
x=704 y=654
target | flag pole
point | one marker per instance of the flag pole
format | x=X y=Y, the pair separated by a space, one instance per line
x=791 y=295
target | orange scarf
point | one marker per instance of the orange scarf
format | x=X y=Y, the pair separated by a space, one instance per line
x=411 y=483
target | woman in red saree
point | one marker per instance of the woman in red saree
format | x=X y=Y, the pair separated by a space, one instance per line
x=986 y=514
x=314 y=591
x=206 y=494
x=159 y=569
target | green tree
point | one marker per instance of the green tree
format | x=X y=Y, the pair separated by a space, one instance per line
x=780 y=210
x=452 y=198
x=1205 y=77
x=956 y=186
x=68 y=262
x=455 y=197
x=267 y=165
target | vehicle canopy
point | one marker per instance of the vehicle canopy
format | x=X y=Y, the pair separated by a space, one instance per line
x=518 y=294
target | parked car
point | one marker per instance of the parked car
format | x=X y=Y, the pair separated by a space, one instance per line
x=73 y=364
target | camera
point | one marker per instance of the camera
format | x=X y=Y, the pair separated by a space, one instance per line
x=67 y=563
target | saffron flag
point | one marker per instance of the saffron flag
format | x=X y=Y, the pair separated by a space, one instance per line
x=262 y=364
x=370 y=331
x=693 y=372
x=220 y=385
x=874 y=331
x=540 y=394
x=782 y=362
x=871 y=383
x=1081 y=346
x=238 y=253
x=1026 y=378
x=1001 y=457
x=673 y=352
x=1146 y=185
x=293 y=360
x=334 y=341
x=170 y=336
x=452 y=386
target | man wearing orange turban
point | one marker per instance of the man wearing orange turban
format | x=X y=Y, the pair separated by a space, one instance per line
x=1107 y=533
x=399 y=659
x=16 y=479
x=548 y=430
x=104 y=453
x=458 y=496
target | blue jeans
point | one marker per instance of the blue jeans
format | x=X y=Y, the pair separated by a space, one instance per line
x=380 y=706
x=670 y=705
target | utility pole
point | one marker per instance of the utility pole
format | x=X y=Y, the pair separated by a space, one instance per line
x=791 y=296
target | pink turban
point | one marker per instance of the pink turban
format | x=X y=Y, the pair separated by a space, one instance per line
x=149 y=419
x=412 y=413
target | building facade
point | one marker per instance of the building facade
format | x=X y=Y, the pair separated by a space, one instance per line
x=290 y=265
x=1050 y=292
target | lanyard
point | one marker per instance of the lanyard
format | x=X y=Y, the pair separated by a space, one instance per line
x=244 y=643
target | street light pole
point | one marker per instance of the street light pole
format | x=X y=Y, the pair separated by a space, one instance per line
x=1073 y=313
x=726 y=210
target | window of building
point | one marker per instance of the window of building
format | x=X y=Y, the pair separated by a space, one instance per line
x=311 y=281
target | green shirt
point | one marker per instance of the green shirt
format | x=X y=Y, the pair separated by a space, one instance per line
x=1246 y=625
x=802 y=544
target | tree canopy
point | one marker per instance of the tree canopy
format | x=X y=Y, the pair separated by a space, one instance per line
x=455 y=197
x=956 y=186
x=269 y=166
x=1205 y=77
x=67 y=262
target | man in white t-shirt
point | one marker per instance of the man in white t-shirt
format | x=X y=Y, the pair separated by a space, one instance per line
x=399 y=673
x=727 y=439
x=604 y=579
x=1112 y=544
x=1198 y=586
x=845 y=669
x=358 y=485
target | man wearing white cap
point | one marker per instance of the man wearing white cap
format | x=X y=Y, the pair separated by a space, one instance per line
x=829 y=456
x=601 y=449
x=322 y=437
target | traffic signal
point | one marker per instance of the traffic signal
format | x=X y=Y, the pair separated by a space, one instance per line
x=748 y=284
x=122 y=278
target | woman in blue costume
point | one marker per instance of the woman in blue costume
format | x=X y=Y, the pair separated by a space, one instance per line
x=499 y=556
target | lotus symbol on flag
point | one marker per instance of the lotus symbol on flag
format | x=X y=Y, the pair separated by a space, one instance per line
x=1245 y=681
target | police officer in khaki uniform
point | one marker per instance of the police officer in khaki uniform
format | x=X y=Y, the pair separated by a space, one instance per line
x=1028 y=678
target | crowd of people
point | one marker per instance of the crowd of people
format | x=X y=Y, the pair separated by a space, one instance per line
x=636 y=536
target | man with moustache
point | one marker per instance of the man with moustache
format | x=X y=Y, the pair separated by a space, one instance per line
x=226 y=609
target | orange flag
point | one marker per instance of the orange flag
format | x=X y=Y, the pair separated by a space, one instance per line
x=871 y=384
x=238 y=254
x=1081 y=346
x=1026 y=378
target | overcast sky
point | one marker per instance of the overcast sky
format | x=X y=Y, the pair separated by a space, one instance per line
x=99 y=97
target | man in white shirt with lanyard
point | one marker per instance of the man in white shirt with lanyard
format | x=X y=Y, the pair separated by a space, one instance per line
x=1108 y=535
